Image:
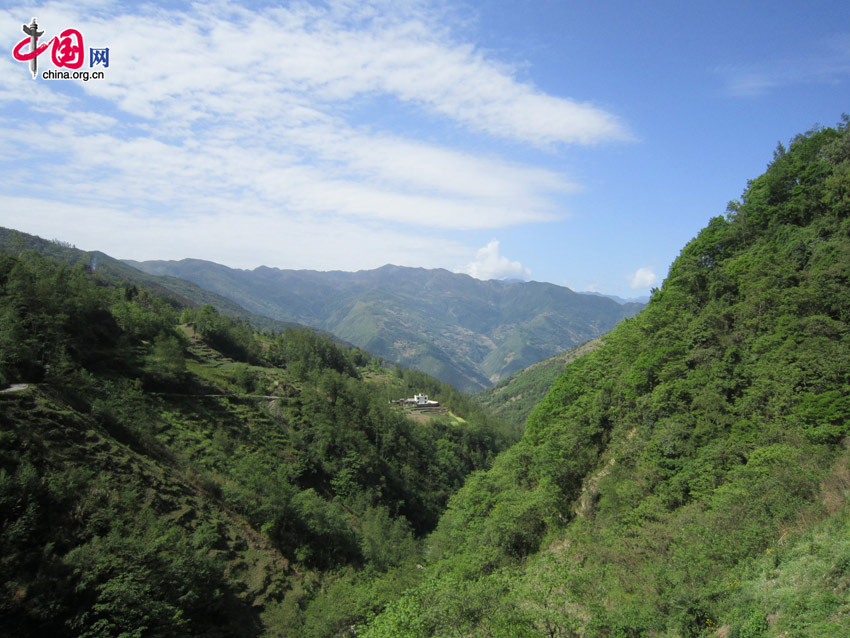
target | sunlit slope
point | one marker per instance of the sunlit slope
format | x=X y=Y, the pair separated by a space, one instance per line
x=689 y=477
x=514 y=398
x=169 y=471
x=178 y=291
x=464 y=331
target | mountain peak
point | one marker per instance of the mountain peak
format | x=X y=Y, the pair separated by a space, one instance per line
x=462 y=330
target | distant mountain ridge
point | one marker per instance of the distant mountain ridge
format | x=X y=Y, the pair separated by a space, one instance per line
x=464 y=331
x=621 y=300
x=179 y=291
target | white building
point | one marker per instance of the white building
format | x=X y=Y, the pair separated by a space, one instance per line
x=422 y=400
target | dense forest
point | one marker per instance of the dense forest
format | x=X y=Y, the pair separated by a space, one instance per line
x=166 y=470
x=690 y=476
x=462 y=330
x=179 y=292
x=169 y=471
x=513 y=399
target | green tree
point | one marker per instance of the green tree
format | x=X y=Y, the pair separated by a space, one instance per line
x=167 y=362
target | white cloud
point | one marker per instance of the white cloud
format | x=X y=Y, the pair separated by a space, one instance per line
x=259 y=238
x=218 y=117
x=750 y=84
x=196 y=129
x=489 y=264
x=177 y=63
x=827 y=63
x=642 y=278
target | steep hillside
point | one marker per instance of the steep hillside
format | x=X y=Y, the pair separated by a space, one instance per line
x=466 y=332
x=689 y=477
x=171 y=472
x=514 y=398
x=179 y=291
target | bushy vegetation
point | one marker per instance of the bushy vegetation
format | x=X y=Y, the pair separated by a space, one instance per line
x=461 y=330
x=174 y=472
x=170 y=471
x=513 y=399
x=687 y=478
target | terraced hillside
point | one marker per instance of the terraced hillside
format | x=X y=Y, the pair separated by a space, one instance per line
x=463 y=331
x=169 y=471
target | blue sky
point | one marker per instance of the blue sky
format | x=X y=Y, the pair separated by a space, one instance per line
x=580 y=143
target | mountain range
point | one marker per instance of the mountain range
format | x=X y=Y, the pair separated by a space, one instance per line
x=166 y=471
x=461 y=330
x=179 y=292
x=691 y=475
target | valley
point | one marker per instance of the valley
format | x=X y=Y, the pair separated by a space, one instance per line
x=170 y=468
x=461 y=330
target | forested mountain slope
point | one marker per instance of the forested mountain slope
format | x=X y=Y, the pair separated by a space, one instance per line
x=179 y=291
x=464 y=331
x=514 y=398
x=689 y=477
x=168 y=471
